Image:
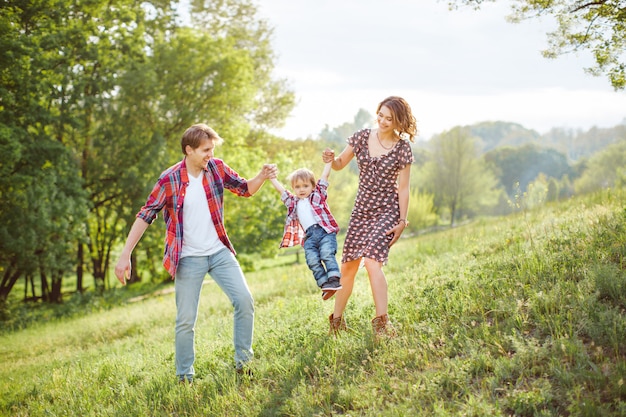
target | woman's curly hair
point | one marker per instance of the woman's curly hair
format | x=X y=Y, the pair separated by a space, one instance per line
x=403 y=118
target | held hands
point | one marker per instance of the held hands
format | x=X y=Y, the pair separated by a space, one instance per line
x=328 y=155
x=269 y=171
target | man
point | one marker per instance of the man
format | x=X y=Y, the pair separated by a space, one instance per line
x=191 y=193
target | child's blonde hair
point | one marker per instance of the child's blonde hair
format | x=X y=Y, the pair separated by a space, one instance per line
x=302 y=174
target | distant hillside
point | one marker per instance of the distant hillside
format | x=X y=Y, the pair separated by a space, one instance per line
x=497 y=134
x=573 y=143
x=576 y=144
x=518 y=156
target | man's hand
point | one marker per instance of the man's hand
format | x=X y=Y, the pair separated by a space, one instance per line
x=122 y=270
x=269 y=171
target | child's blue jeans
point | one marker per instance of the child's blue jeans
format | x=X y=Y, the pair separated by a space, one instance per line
x=320 y=248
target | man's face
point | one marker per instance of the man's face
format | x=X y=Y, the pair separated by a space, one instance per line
x=199 y=157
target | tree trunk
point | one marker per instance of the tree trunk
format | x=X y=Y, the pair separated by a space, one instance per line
x=31 y=279
x=452 y=214
x=57 y=284
x=98 y=276
x=134 y=275
x=8 y=281
x=79 y=268
x=45 y=290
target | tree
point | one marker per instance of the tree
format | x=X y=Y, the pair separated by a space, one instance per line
x=595 y=25
x=422 y=212
x=236 y=22
x=457 y=177
x=604 y=170
x=41 y=200
x=114 y=84
x=516 y=167
x=43 y=206
x=91 y=47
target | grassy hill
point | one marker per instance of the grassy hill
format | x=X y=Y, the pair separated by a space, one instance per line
x=523 y=316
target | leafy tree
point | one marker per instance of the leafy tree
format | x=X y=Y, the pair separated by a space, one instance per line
x=42 y=205
x=519 y=166
x=92 y=46
x=41 y=200
x=553 y=190
x=599 y=26
x=236 y=22
x=605 y=169
x=115 y=84
x=217 y=70
x=537 y=191
x=457 y=177
x=73 y=56
x=422 y=213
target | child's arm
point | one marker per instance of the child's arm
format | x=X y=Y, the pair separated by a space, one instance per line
x=277 y=185
x=326 y=171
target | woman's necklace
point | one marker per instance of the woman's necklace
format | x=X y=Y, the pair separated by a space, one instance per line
x=381 y=144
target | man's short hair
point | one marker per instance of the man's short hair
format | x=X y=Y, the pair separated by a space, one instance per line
x=195 y=134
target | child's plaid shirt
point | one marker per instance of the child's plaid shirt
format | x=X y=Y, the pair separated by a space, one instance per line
x=294 y=234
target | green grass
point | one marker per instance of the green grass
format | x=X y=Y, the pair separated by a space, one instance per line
x=515 y=316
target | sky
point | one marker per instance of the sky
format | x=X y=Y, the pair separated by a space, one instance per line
x=456 y=67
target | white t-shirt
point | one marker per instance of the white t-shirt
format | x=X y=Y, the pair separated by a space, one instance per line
x=305 y=213
x=199 y=234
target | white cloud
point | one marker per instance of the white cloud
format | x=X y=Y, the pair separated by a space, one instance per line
x=454 y=67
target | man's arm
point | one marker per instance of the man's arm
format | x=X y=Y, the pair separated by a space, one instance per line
x=122 y=269
x=267 y=172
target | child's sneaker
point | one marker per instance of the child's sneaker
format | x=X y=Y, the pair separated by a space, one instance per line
x=327 y=294
x=332 y=284
x=330 y=287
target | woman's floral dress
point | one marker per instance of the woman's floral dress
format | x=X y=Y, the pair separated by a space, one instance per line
x=376 y=208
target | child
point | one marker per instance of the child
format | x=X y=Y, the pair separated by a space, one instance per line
x=310 y=223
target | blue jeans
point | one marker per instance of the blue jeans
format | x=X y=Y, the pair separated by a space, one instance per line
x=226 y=272
x=320 y=248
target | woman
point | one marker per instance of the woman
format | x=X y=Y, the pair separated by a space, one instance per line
x=380 y=210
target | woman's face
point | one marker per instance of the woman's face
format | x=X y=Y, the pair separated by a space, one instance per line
x=385 y=120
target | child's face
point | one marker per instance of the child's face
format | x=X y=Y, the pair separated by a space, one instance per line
x=302 y=189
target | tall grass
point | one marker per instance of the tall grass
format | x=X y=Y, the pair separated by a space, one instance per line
x=522 y=316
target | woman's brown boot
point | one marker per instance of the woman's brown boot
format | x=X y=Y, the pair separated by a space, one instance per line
x=382 y=327
x=336 y=324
